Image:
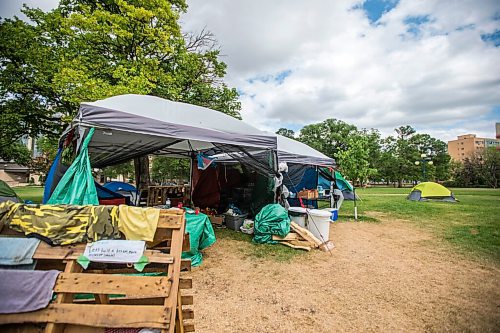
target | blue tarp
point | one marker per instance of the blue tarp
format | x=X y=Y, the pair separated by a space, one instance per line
x=50 y=177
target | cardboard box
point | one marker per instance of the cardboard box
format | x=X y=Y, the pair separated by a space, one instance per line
x=308 y=194
x=216 y=219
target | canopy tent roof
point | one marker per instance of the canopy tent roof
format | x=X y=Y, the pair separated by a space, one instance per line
x=290 y=151
x=129 y=126
x=293 y=151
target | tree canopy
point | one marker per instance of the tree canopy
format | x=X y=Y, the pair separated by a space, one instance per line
x=88 y=50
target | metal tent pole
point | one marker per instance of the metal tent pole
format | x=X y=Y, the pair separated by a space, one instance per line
x=355 y=205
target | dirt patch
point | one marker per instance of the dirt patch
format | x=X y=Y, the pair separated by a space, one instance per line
x=382 y=277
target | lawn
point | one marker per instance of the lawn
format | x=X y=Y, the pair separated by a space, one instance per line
x=33 y=193
x=472 y=225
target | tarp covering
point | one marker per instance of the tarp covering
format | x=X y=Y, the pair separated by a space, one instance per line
x=201 y=236
x=272 y=220
x=7 y=194
x=298 y=178
x=49 y=182
x=77 y=186
x=206 y=189
x=140 y=125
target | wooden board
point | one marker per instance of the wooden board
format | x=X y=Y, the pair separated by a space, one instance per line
x=96 y=315
x=185 y=283
x=304 y=233
x=169 y=221
x=290 y=236
x=71 y=252
x=151 y=301
x=134 y=286
x=187 y=314
x=298 y=247
x=188 y=327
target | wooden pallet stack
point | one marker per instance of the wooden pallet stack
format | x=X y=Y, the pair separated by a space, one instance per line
x=115 y=300
x=302 y=239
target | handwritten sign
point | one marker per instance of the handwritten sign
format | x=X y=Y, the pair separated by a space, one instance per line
x=127 y=251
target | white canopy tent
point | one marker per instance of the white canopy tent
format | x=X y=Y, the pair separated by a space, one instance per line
x=289 y=151
x=293 y=151
x=129 y=126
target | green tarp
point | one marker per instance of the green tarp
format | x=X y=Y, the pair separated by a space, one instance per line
x=6 y=193
x=272 y=220
x=201 y=236
x=77 y=186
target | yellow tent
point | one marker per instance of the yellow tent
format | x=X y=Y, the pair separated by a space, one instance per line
x=430 y=191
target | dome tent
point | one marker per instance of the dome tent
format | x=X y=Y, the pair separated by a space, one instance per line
x=431 y=191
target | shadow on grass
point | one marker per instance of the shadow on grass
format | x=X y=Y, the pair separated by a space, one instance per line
x=272 y=252
x=361 y=218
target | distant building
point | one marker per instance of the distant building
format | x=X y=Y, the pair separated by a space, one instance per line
x=15 y=174
x=467 y=145
x=498 y=130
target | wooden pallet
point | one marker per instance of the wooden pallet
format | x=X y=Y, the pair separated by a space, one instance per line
x=143 y=301
x=157 y=195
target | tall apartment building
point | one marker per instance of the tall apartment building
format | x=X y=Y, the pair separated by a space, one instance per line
x=468 y=144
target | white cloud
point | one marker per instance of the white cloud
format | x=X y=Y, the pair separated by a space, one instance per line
x=442 y=79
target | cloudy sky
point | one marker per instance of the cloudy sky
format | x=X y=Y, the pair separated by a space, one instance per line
x=431 y=64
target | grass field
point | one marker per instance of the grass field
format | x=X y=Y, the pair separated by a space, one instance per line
x=471 y=226
x=33 y=193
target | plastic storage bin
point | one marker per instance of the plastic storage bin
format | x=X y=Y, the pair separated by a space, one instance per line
x=234 y=222
x=298 y=215
x=318 y=222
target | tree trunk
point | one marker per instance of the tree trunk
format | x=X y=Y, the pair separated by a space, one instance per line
x=141 y=166
x=400 y=183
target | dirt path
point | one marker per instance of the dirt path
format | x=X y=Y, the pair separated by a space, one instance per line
x=381 y=277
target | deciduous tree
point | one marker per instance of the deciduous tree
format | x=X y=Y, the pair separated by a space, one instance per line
x=88 y=50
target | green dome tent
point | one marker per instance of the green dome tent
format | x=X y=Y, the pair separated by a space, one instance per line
x=431 y=191
x=7 y=194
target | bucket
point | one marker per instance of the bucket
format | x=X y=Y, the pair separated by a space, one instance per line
x=298 y=215
x=334 y=213
x=319 y=224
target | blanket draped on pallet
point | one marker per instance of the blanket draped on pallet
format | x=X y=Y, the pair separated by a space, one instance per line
x=25 y=291
x=17 y=253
